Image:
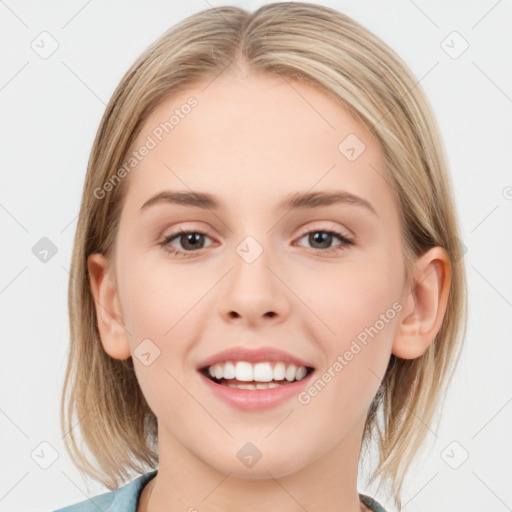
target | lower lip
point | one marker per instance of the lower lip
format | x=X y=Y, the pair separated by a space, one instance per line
x=256 y=399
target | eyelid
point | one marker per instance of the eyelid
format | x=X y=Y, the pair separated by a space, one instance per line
x=346 y=240
x=326 y=226
x=330 y=226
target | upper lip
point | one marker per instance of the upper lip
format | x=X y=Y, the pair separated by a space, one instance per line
x=257 y=355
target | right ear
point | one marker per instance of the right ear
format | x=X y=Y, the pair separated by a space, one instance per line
x=114 y=337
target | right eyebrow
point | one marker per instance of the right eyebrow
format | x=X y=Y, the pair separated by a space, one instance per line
x=197 y=199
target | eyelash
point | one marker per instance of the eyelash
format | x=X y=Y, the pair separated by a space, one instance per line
x=187 y=254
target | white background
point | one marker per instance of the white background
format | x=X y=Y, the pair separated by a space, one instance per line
x=51 y=109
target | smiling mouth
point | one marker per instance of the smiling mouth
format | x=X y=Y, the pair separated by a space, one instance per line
x=255 y=384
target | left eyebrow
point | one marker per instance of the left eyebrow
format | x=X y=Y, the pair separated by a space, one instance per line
x=299 y=200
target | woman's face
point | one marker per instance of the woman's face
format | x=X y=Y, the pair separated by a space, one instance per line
x=257 y=273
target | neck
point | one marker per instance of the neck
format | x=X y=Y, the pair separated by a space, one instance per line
x=185 y=482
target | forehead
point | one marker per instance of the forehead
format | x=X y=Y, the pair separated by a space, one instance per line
x=256 y=136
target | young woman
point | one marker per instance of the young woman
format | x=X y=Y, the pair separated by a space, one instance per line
x=266 y=273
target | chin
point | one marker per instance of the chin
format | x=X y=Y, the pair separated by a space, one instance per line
x=268 y=466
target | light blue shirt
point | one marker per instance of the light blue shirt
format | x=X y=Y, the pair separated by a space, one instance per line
x=126 y=498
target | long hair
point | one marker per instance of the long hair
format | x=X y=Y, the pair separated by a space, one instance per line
x=101 y=396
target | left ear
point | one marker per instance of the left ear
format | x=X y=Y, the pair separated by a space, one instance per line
x=425 y=305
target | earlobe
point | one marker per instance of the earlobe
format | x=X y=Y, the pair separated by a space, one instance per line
x=425 y=305
x=113 y=335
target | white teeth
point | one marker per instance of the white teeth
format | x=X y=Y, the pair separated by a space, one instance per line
x=279 y=371
x=290 y=372
x=263 y=372
x=229 y=371
x=244 y=371
x=258 y=372
x=301 y=373
x=265 y=385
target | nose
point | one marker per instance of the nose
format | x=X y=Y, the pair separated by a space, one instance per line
x=254 y=294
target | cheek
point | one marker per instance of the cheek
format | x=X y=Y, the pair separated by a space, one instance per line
x=156 y=295
x=157 y=303
x=352 y=295
x=358 y=310
x=357 y=306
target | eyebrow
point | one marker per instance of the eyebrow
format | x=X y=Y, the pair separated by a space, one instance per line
x=298 y=200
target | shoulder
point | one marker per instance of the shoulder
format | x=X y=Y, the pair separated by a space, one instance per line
x=125 y=498
x=372 y=504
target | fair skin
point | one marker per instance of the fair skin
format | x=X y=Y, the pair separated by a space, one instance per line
x=251 y=141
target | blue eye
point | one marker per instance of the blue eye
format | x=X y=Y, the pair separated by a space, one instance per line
x=326 y=237
x=193 y=241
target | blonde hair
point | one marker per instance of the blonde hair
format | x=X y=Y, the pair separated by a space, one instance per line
x=330 y=50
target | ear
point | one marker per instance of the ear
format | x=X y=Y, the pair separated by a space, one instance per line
x=114 y=337
x=425 y=304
